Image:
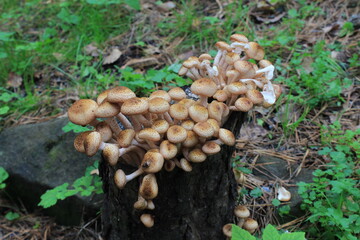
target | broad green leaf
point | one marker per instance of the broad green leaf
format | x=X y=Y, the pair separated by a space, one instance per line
x=135 y=4
x=12 y=216
x=75 y=128
x=3 y=176
x=293 y=236
x=4 y=110
x=240 y=234
x=6 y=36
x=270 y=233
x=256 y=192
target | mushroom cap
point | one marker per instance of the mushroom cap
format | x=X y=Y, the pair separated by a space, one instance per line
x=204 y=87
x=245 y=68
x=278 y=90
x=215 y=110
x=191 y=62
x=211 y=148
x=102 y=96
x=221 y=95
x=82 y=112
x=227 y=229
x=197 y=155
x=215 y=124
x=149 y=187
x=120 y=179
x=205 y=56
x=107 y=109
x=79 y=141
x=152 y=162
x=264 y=63
x=241 y=211
x=227 y=137
x=161 y=126
x=238 y=38
x=178 y=111
x=198 y=113
x=182 y=71
x=255 y=51
x=237 y=88
x=134 y=106
x=177 y=94
x=120 y=94
x=188 y=124
x=161 y=94
x=104 y=129
x=231 y=57
x=147 y=220
x=283 y=194
x=223 y=46
x=250 y=225
x=111 y=154
x=158 y=105
x=140 y=204
x=169 y=165
x=149 y=134
x=191 y=139
x=92 y=143
x=255 y=96
x=187 y=102
x=243 y=104
x=185 y=165
x=176 y=134
x=203 y=129
x=168 y=150
x=125 y=137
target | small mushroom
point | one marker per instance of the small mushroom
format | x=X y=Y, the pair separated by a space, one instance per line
x=283 y=194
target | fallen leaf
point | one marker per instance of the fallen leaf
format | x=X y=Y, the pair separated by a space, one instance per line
x=306 y=64
x=141 y=62
x=166 y=6
x=112 y=57
x=14 y=80
x=91 y=50
x=252 y=132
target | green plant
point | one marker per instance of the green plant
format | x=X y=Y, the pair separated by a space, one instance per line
x=333 y=197
x=3 y=176
x=85 y=186
x=11 y=216
x=269 y=233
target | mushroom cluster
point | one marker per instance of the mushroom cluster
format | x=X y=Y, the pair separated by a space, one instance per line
x=168 y=129
x=242 y=214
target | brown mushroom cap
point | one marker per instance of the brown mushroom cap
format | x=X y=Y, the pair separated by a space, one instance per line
x=147 y=220
x=102 y=96
x=187 y=102
x=161 y=94
x=255 y=51
x=158 y=105
x=178 y=111
x=152 y=162
x=215 y=125
x=161 y=126
x=176 y=134
x=215 y=110
x=237 y=88
x=197 y=155
x=243 y=104
x=134 y=106
x=107 y=109
x=231 y=57
x=185 y=165
x=149 y=187
x=223 y=46
x=198 y=113
x=238 y=38
x=188 y=124
x=255 y=96
x=191 y=139
x=221 y=95
x=203 y=129
x=191 y=62
x=104 y=129
x=250 y=225
x=211 y=148
x=241 y=211
x=120 y=178
x=92 y=143
x=245 y=69
x=149 y=134
x=82 y=112
x=125 y=138
x=177 y=94
x=227 y=137
x=204 y=87
x=119 y=94
x=227 y=229
x=205 y=56
x=111 y=154
x=168 y=150
x=79 y=141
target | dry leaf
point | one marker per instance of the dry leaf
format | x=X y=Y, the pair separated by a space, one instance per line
x=14 y=80
x=112 y=57
x=252 y=132
x=92 y=50
x=166 y=6
x=306 y=64
x=141 y=62
x=58 y=56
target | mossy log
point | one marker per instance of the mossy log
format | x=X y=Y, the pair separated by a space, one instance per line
x=190 y=205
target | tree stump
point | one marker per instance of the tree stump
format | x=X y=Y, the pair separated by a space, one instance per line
x=190 y=205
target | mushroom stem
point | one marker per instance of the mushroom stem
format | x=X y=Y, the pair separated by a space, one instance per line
x=113 y=125
x=135 y=174
x=124 y=121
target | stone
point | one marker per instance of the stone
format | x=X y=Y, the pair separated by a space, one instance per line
x=272 y=168
x=39 y=157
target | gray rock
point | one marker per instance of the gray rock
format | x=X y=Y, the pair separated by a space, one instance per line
x=272 y=168
x=39 y=157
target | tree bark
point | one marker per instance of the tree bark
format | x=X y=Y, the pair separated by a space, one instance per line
x=190 y=205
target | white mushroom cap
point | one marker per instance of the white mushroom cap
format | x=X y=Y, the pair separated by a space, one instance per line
x=147 y=220
x=283 y=194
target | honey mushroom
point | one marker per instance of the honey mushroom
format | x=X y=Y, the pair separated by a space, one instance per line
x=156 y=132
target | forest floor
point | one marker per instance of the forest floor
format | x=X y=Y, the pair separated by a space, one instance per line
x=68 y=51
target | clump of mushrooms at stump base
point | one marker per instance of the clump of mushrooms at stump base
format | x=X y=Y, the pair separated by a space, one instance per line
x=168 y=134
